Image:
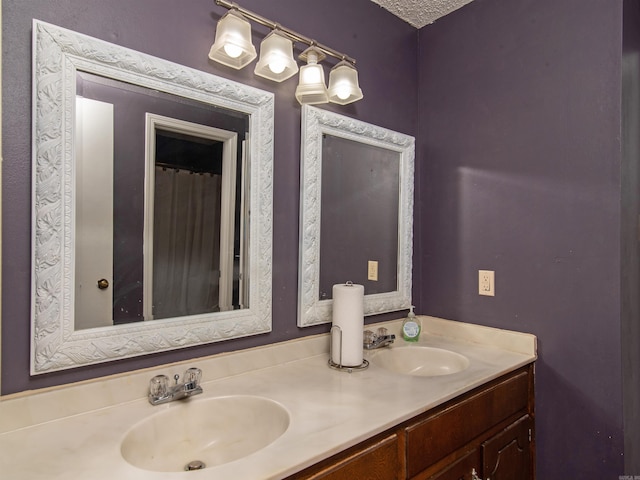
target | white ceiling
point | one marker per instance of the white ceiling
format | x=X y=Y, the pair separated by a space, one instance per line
x=421 y=12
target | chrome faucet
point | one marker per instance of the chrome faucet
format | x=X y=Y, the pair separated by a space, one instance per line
x=377 y=340
x=161 y=392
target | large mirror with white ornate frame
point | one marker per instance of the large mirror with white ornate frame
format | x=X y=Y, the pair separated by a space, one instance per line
x=356 y=214
x=152 y=204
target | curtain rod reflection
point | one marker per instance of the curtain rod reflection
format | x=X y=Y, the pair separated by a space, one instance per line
x=192 y=170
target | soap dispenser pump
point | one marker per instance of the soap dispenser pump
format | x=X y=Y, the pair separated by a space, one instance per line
x=411 y=327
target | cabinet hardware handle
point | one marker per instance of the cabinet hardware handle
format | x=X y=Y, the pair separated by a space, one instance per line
x=103 y=284
x=474 y=475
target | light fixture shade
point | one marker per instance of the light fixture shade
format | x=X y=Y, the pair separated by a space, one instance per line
x=311 y=88
x=232 y=46
x=276 y=58
x=343 y=84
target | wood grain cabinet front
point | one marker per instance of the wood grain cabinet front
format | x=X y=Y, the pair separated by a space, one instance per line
x=485 y=434
x=439 y=439
x=508 y=454
x=463 y=467
x=377 y=459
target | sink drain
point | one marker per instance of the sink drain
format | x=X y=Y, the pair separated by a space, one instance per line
x=194 y=465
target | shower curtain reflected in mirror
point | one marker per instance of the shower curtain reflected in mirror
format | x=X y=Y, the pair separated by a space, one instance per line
x=186 y=250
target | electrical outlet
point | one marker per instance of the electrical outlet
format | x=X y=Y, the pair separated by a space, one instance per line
x=486 y=283
x=372 y=270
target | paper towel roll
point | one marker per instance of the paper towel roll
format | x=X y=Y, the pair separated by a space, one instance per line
x=348 y=315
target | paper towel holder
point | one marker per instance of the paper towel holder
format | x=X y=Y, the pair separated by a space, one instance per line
x=338 y=366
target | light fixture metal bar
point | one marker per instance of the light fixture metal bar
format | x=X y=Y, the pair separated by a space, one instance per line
x=298 y=37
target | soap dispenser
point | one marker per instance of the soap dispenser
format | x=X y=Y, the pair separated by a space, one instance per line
x=411 y=327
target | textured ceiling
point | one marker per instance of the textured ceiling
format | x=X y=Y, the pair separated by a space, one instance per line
x=421 y=12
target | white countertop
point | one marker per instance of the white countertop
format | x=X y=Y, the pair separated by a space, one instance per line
x=329 y=410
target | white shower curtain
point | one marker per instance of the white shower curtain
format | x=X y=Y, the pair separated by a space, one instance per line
x=186 y=243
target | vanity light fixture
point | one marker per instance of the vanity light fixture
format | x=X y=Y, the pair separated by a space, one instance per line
x=311 y=88
x=276 y=58
x=232 y=47
x=343 y=84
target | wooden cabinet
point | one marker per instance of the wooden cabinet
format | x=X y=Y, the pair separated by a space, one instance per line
x=479 y=426
x=507 y=455
x=503 y=456
x=463 y=467
x=487 y=434
x=377 y=459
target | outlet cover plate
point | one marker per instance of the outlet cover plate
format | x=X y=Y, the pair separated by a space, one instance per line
x=486 y=283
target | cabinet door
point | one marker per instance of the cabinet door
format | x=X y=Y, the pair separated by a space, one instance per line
x=507 y=455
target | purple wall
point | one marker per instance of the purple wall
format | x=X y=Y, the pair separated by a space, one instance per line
x=519 y=172
x=630 y=187
x=184 y=34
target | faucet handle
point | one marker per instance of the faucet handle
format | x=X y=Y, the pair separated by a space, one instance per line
x=159 y=386
x=192 y=377
x=368 y=337
x=382 y=332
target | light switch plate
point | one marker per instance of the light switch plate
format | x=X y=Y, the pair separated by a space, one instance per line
x=372 y=270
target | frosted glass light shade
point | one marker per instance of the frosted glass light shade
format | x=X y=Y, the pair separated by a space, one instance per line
x=276 y=58
x=343 y=84
x=232 y=46
x=311 y=88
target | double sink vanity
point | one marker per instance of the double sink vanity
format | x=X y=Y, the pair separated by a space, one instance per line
x=279 y=411
x=457 y=404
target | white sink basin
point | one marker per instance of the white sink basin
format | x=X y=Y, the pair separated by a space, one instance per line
x=212 y=431
x=420 y=361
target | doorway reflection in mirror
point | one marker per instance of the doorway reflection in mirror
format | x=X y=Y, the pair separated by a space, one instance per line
x=160 y=220
x=194 y=253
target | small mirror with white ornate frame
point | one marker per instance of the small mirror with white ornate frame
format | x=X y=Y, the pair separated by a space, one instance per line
x=356 y=214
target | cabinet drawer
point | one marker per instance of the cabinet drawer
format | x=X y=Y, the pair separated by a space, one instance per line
x=379 y=460
x=440 y=434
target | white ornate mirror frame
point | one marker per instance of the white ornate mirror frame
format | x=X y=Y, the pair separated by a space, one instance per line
x=57 y=55
x=315 y=123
